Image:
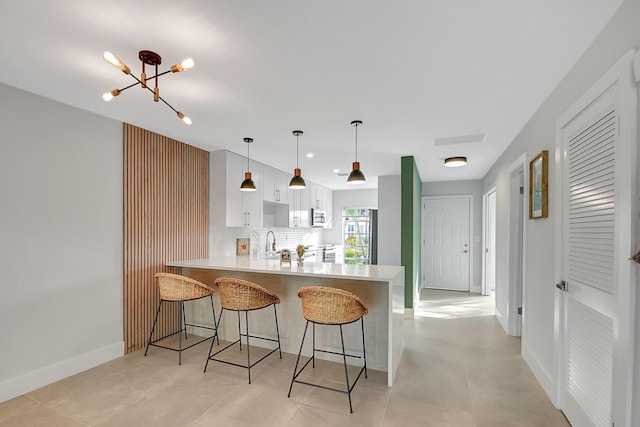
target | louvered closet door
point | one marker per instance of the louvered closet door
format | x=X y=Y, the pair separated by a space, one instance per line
x=589 y=146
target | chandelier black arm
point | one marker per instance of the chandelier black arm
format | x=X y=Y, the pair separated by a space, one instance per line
x=168 y=105
x=139 y=82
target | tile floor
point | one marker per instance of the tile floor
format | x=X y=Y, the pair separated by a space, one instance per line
x=458 y=369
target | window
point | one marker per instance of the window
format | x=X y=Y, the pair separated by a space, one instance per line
x=356 y=233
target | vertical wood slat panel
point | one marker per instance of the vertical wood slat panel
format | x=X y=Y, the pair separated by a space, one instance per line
x=166 y=217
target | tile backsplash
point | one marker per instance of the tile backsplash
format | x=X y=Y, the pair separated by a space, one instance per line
x=222 y=240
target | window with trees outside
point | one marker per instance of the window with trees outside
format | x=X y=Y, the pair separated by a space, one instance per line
x=356 y=232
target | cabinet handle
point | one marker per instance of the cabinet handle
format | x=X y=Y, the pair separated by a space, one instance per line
x=248 y=218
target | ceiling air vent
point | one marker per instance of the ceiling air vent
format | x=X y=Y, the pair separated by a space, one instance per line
x=450 y=140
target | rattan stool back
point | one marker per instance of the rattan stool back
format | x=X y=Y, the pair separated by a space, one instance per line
x=174 y=287
x=331 y=306
x=238 y=294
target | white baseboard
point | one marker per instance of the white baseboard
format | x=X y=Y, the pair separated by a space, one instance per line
x=502 y=321
x=542 y=375
x=33 y=380
x=408 y=313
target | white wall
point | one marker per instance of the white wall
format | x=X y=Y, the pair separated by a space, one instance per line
x=389 y=219
x=365 y=198
x=61 y=245
x=621 y=34
x=474 y=189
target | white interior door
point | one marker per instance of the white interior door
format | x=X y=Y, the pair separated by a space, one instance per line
x=446 y=242
x=597 y=206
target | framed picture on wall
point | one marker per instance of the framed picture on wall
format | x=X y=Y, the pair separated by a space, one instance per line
x=538 y=186
x=242 y=246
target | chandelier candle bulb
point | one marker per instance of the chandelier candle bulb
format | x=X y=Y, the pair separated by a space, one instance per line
x=186 y=64
x=113 y=60
x=108 y=96
x=184 y=118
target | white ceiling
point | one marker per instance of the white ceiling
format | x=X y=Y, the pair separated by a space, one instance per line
x=413 y=71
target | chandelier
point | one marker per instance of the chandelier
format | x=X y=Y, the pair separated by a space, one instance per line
x=147 y=57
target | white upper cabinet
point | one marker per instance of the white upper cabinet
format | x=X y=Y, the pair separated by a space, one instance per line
x=234 y=208
x=299 y=208
x=228 y=205
x=275 y=185
x=321 y=198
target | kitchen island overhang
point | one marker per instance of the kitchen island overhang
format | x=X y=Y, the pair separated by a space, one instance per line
x=381 y=287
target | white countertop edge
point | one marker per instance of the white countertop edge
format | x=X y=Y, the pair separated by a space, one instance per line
x=378 y=273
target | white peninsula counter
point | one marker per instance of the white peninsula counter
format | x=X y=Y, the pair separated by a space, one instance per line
x=381 y=287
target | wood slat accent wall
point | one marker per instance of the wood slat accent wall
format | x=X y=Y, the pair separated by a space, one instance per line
x=166 y=217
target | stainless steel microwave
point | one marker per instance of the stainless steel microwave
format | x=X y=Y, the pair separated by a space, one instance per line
x=318 y=218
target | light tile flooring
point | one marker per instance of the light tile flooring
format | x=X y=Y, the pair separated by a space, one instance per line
x=458 y=369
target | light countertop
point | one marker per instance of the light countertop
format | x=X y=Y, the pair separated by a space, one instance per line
x=381 y=273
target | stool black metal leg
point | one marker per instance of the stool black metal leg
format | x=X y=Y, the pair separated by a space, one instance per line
x=180 y=332
x=184 y=319
x=217 y=324
x=153 y=327
x=364 y=350
x=346 y=373
x=246 y=322
x=277 y=330
x=239 y=332
x=295 y=370
x=213 y=310
x=313 y=351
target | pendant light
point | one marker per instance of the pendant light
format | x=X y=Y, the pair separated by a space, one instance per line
x=356 y=176
x=297 y=182
x=247 y=184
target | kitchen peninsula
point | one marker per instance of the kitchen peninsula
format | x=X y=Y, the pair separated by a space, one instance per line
x=380 y=287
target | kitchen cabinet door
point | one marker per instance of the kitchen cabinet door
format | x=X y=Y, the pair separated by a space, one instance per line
x=299 y=208
x=228 y=205
x=281 y=186
x=275 y=185
x=327 y=205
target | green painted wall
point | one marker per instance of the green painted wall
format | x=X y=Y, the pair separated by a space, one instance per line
x=411 y=193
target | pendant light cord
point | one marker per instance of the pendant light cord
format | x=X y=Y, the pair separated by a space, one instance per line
x=297 y=150
x=356 y=125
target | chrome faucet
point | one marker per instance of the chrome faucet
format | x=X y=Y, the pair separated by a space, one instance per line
x=273 y=245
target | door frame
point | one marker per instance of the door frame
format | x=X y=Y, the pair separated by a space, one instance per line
x=627 y=212
x=517 y=266
x=485 y=219
x=423 y=219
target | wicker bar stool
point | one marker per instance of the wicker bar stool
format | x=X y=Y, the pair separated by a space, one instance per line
x=177 y=288
x=240 y=295
x=331 y=306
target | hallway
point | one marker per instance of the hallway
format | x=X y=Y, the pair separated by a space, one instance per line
x=458 y=369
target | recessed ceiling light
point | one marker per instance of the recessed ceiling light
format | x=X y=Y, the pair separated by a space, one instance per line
x=309 y=155
x=336 y=170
